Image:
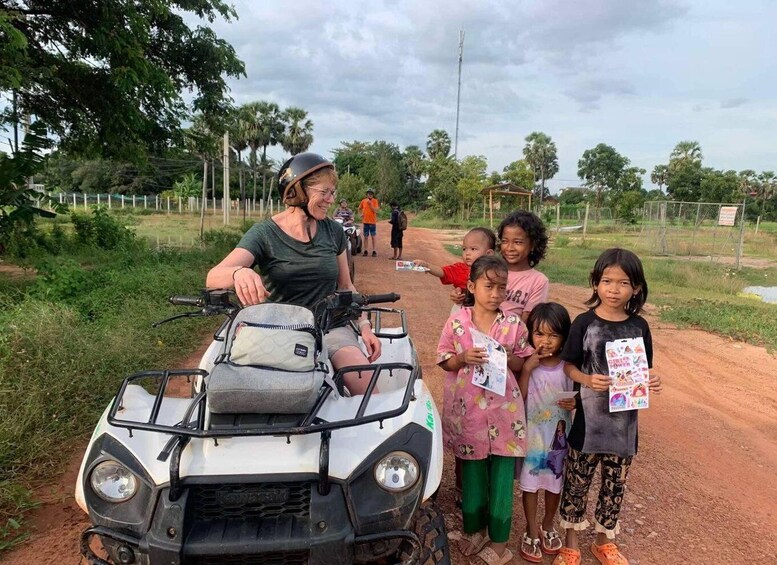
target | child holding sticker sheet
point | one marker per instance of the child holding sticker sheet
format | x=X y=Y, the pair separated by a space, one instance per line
x=599 y=436
x=546 y=389
x=486 y=430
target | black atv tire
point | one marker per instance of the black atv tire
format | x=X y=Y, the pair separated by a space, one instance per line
x=428 y=524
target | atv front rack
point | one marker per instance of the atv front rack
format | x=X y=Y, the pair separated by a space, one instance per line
x=195 y=427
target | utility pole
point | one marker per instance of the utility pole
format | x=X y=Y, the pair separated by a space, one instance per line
x=226 y=202
x=458 y=95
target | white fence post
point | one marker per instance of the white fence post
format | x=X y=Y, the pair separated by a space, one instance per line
x=98 y=199
x=168 y=205
x=84 y=201
x=122 y=202
x=145 y=201
x=133 y=200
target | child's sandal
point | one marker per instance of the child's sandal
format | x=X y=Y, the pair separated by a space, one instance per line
x=530 y=549
x=568 y=556
x=608 y=554
x=551 y=541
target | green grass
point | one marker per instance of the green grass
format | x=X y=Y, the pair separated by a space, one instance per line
x=69 y=336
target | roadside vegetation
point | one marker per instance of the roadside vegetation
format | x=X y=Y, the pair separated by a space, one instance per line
x=72 y=325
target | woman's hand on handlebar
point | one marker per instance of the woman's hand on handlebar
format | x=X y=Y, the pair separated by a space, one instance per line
x=371 y=343
x=249 y=287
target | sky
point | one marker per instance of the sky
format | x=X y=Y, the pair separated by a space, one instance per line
x=640 y=75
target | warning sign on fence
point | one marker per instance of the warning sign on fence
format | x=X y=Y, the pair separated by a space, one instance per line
x=727 y=216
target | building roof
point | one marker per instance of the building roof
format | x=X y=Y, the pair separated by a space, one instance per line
x=506 y=189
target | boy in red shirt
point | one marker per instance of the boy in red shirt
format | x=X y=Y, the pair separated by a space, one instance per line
x=477 y=242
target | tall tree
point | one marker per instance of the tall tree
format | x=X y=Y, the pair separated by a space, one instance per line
x=202 y=139
x=685 y=152
x=748 y=183
x=601 y=168
x=767 y=183
x=263 y=126
x=472 y=181
x=298 y=132
x=540 y=153
x=660 y=176
x=413 y=159
x=519 y=173
x=109 y=81
x=438 y=144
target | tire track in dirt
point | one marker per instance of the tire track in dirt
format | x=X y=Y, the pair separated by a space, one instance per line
x=701 y=488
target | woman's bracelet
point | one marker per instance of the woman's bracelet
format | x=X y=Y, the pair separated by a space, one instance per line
x=236 y=270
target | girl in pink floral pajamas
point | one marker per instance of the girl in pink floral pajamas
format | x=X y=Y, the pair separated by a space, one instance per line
x=486 y=430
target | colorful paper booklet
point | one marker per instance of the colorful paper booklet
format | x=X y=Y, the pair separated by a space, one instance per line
x=409 y=266
x=491 y=375
x=628 y=368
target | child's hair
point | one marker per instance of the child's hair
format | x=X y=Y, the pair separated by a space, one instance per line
x=394 y=203
x=554 y=315
x=631 y=265
x=534 y=228
x=488 y=234
x=481 y=268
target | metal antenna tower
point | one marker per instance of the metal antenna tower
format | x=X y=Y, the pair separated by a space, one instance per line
x=458 y=95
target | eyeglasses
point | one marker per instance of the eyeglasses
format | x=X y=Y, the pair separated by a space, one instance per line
x=331 y=193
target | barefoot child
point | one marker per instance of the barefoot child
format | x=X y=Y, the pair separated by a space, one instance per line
x=522 y=242
x=477 y=242
x=599 y=436
x=547 y=421
x=484 y=429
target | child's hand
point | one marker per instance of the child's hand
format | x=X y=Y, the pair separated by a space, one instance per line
x=599 y=383
x=419 y=263
x=654 y=384
x=532 y=362
x=566 y=404
x=475 y=356
x=457 y=295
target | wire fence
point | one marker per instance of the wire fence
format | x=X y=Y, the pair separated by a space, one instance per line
x=706 y=229
x=166 y=205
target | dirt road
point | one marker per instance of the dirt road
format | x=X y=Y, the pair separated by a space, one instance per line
x=702 y=488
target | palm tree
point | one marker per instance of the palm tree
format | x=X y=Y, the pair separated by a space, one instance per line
x=414 y=163
x=540 y=153
x=263 y=126
x=767 y=185
x=238 y=141
x=298 y=132
x=685 y=152
x=201 y=140
x=748 y=182
x=438 y=144
x=660 y=176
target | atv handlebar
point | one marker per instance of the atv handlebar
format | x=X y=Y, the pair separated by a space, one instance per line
x=196 y=301
x=365 y=299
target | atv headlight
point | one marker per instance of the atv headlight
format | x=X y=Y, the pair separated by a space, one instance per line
x=397 y=471
x=113 y=482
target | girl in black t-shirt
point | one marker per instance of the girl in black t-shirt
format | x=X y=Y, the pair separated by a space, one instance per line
x=598 y=435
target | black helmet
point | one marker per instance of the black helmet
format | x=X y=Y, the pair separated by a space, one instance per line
x=293 y=171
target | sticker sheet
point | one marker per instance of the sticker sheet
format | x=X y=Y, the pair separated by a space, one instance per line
x=491 y=375
x=409 y=266
x=628 y=367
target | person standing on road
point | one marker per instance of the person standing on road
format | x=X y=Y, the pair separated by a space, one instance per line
x=369 y=209
x=599 y=436
x=397 y=230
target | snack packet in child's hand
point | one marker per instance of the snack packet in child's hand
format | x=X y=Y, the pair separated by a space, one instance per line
x=409 y=266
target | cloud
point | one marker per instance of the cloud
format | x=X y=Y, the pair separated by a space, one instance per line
x=584 y=71
x=733 y=103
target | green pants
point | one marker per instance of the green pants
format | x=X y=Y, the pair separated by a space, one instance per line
x=487 y=496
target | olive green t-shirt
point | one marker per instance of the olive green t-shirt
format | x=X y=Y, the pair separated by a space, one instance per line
x=293 y=271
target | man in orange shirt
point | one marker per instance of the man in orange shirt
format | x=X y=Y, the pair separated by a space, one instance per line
x=369 y=209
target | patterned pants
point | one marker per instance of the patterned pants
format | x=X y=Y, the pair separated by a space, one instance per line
x=579 y=471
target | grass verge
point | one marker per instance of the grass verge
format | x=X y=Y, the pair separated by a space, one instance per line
x=68 y=338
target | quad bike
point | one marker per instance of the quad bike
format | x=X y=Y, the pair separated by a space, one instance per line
x=260 y=464
x=354 y=235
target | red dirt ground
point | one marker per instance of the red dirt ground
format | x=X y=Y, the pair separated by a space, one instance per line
x=702 y=488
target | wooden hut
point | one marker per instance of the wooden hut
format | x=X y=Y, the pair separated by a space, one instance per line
x=503 y=189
